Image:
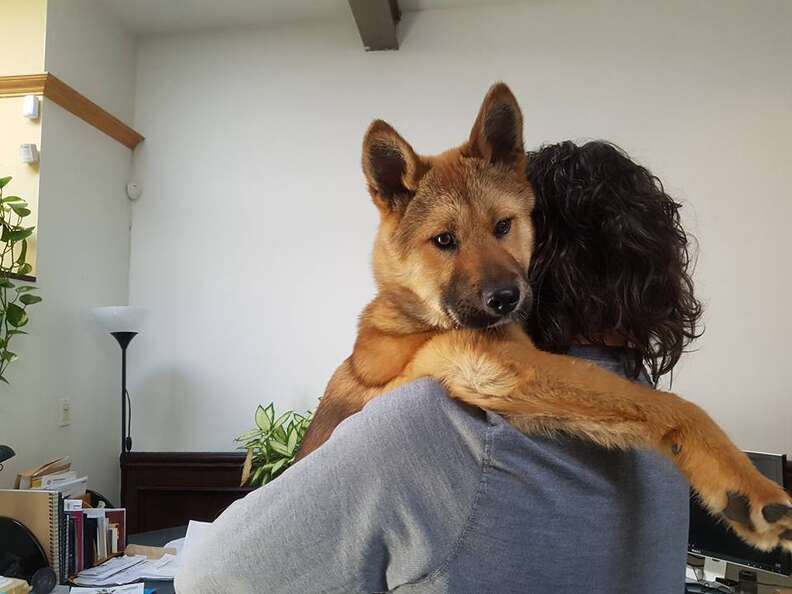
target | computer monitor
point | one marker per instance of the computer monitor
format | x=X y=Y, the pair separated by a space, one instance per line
x=711 y=538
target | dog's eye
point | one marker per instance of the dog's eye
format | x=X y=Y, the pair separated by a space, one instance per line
x=445 y=241
x=502 y=227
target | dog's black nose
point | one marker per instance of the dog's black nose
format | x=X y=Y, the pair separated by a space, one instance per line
x=503 y=300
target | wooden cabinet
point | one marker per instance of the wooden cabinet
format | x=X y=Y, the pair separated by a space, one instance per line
x=167 y=489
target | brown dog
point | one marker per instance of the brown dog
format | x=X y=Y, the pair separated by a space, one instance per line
x=450 y=261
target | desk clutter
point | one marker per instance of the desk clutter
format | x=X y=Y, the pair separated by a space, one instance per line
x=55 y=475
x=16 y=586
x=72 y=538
x=50 y=535
x=50 y=501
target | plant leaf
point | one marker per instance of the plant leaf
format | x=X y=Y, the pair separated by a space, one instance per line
x=16 y=315
x=29 y=299
x=6 y=283
x=278 y=465
x=12 y=200
x=263 y=420
x=16 y=234
x=24 y=288
x=8 y=356
x=256 y=478
x=22 y=253
x=272 y=444
x=24 y=269
x=21 y=210
x=281 y=419
x=280 y=434
x=292 y=443
x=246 y=467
x=247 y=435
x=280 y=448
x=4 y=181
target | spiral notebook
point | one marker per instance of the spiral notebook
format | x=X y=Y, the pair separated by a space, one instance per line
x=41 y=512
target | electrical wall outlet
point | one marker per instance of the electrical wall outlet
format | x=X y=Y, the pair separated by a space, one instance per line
x=64 y=412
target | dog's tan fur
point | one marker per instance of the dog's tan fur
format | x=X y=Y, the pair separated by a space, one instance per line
x=413 y=329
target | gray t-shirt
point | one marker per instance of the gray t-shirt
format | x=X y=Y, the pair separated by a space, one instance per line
x=419 y=493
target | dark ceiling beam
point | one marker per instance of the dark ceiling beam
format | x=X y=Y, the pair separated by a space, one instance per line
x=377 y=20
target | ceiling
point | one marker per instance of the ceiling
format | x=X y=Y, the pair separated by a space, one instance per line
x=145 y=17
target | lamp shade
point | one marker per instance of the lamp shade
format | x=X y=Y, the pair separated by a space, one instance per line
x=120 y=318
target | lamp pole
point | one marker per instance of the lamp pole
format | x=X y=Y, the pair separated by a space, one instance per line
x=123 y=323
x=124 y=338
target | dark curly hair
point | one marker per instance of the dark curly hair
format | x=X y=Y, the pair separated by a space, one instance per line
x=611 y=257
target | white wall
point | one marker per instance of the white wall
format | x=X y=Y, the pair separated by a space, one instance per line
x=83 y=261
x=88 y=48
x=252 y=240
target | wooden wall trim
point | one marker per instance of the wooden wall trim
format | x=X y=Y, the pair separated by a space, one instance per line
x=182 y=459
x=23 y=84
x=71 y=100
x=59 y=92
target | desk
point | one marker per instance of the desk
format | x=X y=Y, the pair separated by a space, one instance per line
x=158 y=538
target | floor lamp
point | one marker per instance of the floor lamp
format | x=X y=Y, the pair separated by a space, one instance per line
x=123 y=323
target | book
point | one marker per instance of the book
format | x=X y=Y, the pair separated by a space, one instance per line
x=101 y=539
x=61 y=523
x=24 y=479
x=78 y=519
x=113 y=534
x=51 y=480
x=40 y=512
x=117 y=516
x=70 y=489
x=89 y=542
x=70 y=541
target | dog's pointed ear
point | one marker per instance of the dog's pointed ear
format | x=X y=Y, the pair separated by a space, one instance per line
x=391 y=167
x=497 y=134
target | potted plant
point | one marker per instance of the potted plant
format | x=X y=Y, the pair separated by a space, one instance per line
x=272 y=445
x=15 y=296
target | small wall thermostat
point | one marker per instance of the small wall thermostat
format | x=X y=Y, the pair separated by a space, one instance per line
x=28 y=153
x=31 y=107
x=134 y=190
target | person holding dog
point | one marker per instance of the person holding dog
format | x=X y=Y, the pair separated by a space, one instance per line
x=419 y=493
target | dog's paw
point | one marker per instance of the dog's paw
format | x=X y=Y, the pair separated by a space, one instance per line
x=761 y=516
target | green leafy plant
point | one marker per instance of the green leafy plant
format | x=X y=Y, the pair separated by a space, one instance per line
x=14 y=297
x=272 y=445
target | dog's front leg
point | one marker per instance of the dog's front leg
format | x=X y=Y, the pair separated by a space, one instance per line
x=344 y=396
x=541 y=392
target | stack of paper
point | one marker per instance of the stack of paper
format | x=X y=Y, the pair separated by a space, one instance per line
x=136 y=567
x=131 y=589
x=125 y=570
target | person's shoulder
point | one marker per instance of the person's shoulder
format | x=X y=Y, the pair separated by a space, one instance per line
x=418 y=397
x=418 y=417
x=421 y=405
